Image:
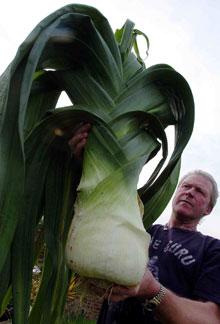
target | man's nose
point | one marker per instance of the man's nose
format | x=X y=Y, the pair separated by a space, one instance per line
x=190 y=191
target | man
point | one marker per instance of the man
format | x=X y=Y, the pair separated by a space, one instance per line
x=182 y=282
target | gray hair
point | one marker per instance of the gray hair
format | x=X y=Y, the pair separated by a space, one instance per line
x=208 y=176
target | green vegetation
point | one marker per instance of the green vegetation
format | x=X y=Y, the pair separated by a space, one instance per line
x=74 y=50
x=77 y=320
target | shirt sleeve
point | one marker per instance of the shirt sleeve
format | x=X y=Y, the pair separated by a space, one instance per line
x=207 y=286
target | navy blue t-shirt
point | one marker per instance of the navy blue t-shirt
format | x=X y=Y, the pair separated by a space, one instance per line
x=184 y=261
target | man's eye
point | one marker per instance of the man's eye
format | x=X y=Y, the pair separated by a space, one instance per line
x=200 y=191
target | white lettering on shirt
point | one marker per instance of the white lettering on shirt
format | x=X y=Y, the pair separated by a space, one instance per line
x=176 y=249
x=156 y=244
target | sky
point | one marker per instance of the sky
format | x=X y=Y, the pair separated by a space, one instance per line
x=183 y=34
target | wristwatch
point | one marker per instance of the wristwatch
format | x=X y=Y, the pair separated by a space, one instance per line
x=151 y=304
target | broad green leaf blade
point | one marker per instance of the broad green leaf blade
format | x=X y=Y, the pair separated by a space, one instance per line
x=5 y=280
x=153 y=209
x=181 y=102
x=7 y=299
x=180 y=99
x=22 y=263
x=84 y=90
x=11 y=162
x=135 y=123
x=42 y=101
x=59 y=196
x=126 y=39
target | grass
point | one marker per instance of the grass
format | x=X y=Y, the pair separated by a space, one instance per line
x=77 y=320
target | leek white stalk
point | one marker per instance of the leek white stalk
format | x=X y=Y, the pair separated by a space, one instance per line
x=107 y=239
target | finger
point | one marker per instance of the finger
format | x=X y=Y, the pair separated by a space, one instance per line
x=120 y=290
x=83 y=128
x=77 y=138
x=78 y=141
x=79 y=148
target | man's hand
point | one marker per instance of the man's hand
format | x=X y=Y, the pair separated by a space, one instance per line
x=147 y=288
x=173 y=309
x=78 y=141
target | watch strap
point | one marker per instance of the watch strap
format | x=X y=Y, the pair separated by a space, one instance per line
x=151 y=304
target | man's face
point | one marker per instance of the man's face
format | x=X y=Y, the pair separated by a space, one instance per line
x=192 y=198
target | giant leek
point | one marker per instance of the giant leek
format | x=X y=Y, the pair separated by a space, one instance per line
x=74 y=50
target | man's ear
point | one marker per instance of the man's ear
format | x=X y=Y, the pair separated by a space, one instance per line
x=208 y=210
